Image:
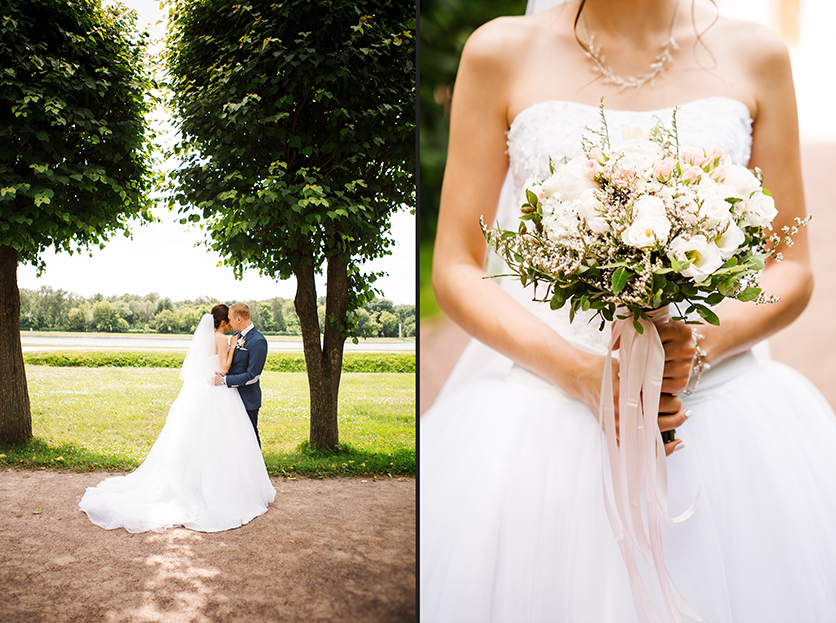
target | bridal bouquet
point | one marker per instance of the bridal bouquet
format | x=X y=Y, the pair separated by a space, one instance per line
x=630 y=232
x=643 y=226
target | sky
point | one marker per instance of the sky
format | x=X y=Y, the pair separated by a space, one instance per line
x=169 y=259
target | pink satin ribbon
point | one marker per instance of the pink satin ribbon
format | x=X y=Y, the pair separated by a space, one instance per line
x=637 y=460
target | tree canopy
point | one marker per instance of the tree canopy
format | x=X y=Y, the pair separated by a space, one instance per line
x=75 y=156
x=297 y=121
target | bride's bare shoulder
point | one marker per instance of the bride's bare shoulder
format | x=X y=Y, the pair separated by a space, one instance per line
x=502 y=42
x=751 y=43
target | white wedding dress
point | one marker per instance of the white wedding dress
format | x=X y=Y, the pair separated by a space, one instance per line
x=512 y=520
x=205 y=471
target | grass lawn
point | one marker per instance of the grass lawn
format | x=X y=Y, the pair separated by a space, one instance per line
x=108 y=418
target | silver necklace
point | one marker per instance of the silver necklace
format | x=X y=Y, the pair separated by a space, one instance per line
x=657 y=68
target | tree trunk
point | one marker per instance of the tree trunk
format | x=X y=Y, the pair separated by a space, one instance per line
x=324 y=363
x=15 y=415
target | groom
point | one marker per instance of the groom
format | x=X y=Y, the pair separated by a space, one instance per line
x=247 y=362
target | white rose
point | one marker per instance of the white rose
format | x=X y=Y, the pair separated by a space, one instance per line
x=704 y=256
x=650 y=226
x=590 y=209
x=552 y=185
x=729 y=241
x=647 y=232
x=715 y=210
x=632 y=131
x=740 y=182
x=569 y=181
x=759 y=210
x=649 y=206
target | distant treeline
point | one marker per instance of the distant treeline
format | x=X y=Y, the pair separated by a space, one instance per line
x=46 y=309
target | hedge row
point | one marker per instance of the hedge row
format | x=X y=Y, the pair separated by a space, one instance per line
x=276 y=362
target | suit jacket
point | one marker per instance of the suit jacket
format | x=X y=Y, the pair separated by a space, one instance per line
x=246 y=368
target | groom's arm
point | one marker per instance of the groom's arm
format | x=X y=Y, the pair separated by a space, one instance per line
x=255 y=365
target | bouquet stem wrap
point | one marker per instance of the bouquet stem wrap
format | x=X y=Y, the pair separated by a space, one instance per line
x=637 y=459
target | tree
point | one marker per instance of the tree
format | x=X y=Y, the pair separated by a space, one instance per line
x=298 y=139
x=105 y=316
x=165 y=321
x=76 y=319
x=74 y=151
x=388 y=323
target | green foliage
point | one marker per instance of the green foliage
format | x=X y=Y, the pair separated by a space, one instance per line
x=105 y=317
x=445 y=27
x=75 y=156
x=47 y=309
x=388 y=363
x=113 y=415
x=297 y=124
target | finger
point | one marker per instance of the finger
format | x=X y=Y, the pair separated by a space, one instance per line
x=673 y=332
x=670 y=422
x=669 y=404
x=673 y=446
x=674 y=385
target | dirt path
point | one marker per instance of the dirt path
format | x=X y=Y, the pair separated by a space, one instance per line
x=326 y=550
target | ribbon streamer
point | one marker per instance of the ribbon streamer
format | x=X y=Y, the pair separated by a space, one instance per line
x=637 y=460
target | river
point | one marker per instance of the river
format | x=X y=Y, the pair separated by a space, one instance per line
x=98 y=341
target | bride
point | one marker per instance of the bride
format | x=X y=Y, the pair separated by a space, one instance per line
x=205 y=471
x=513 y=525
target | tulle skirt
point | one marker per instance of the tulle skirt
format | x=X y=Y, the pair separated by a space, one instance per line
x=204 y=472
x=513 y=526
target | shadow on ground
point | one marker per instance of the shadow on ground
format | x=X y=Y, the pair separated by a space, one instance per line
x=335 y=550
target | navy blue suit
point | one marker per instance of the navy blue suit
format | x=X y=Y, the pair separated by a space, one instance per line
x=245 y=371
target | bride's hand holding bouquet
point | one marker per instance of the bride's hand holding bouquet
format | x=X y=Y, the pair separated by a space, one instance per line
x=647 y=237
x=639 y=235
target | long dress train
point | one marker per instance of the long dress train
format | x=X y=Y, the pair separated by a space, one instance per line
x=205 y=471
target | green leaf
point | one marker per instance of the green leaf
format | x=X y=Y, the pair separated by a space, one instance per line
x=531 y=198
x=714 y=298
x=749 y=294
x=709 y=316
x=619 y=279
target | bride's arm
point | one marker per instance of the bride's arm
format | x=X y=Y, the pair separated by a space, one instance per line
x=775 y=150
x=225 y=351
x=475 y=169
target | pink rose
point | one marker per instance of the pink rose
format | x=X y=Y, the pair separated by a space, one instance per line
x=597 y=155
x=692 y=157
x=622 y=178
x=662 y=168
x=713 y=155
x=691 y=174
x=591 y=169
x=718 y=175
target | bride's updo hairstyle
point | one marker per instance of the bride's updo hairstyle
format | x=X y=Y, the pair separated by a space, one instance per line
x=220 y=313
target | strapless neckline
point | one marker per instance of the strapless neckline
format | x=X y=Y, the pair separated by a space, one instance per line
x=624 y=111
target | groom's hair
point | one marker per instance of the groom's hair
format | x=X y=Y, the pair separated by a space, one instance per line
x=240 y=309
